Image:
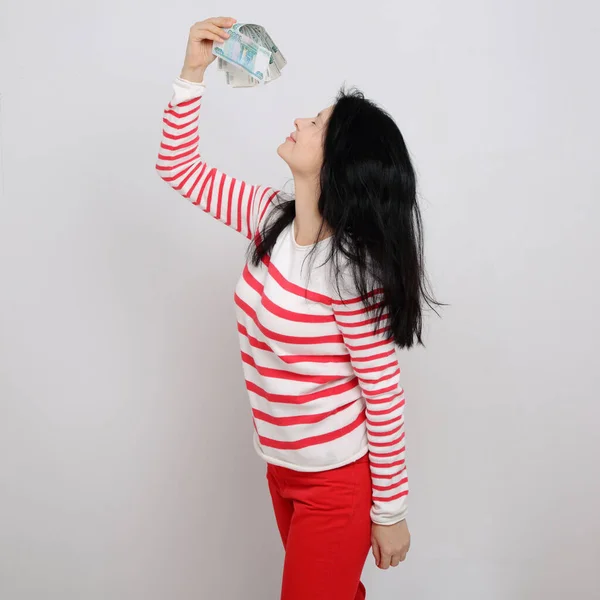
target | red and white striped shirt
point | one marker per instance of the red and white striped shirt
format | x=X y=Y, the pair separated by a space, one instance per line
x=324 y=389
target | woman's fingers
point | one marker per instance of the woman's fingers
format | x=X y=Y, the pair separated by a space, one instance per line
x=216 y=30
x=221 y=21
x=204 y=34
x=198 y=55
x=385 y=561
x=376 y=553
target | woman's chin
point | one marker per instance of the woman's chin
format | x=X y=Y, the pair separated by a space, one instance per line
x=281 y=150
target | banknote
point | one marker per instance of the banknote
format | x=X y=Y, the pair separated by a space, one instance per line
x=260 y=34
x=237 y=75
x=240 y=79
x=243 y=52
x=255 y=37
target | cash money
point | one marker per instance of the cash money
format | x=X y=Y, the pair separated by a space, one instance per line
x=249 y=57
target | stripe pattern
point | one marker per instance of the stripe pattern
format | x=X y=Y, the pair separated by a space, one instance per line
x=375 y=365
x=324 y=388
x=231 y=201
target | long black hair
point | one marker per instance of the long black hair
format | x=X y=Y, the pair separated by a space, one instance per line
x=368 y=197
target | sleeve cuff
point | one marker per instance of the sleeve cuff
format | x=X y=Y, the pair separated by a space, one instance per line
x=185 y=90
x=390 y=522
x=391 y=518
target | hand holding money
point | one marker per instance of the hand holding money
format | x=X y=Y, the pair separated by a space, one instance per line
x=249 y=56
x=199 y=54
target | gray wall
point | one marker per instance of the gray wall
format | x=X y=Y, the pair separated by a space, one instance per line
x=120 y=373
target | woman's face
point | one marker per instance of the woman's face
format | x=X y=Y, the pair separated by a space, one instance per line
x=303 y=148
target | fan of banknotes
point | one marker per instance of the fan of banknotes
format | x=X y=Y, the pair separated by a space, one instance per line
x=249 y=57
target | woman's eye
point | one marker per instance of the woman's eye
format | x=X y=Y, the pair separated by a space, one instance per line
x=314 y=122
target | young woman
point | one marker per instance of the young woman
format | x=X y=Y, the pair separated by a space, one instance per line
x=318 y=352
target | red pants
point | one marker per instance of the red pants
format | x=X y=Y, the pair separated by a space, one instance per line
x=325 y=525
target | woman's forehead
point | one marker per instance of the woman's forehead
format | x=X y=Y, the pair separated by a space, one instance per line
x=325 y=113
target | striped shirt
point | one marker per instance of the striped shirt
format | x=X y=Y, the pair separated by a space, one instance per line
x=323 y=387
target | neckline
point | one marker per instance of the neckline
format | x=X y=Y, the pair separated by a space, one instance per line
x=308 y=246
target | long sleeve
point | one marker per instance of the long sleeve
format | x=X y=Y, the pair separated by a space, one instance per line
x=375 y=365
x=235 y=203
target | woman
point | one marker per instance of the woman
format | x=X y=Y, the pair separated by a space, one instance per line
x=318 y=353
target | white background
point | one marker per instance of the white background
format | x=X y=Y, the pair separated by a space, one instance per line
x=126 y=465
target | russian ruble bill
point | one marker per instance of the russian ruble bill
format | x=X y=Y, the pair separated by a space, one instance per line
x=249 y=56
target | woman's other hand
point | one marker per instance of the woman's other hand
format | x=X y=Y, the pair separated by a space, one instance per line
x=390 y=543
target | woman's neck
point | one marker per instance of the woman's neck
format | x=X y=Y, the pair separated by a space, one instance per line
x=308 y=219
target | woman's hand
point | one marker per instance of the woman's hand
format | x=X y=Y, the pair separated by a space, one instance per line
x=390 y=543
x=198 y=54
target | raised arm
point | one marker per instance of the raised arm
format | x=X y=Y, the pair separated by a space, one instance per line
x=235 y=203
x=375 y=365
